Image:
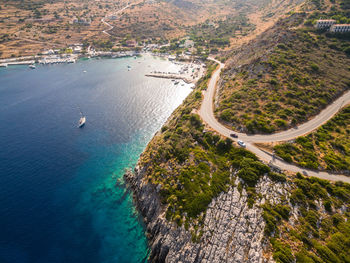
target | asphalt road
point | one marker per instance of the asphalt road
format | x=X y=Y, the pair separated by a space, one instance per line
x=207 y=114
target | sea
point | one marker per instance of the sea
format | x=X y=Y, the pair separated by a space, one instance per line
x=62 y=195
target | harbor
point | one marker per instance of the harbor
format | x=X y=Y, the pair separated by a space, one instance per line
x=48 y=59
x=12 y=63
x=169 y=76
x=189 y=73
x=54 y=57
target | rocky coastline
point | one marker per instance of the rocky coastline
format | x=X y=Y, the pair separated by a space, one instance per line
x=232 y=232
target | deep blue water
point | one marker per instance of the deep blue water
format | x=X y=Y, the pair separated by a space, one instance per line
x=61 y=192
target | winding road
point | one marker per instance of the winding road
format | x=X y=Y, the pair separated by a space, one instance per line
x=207 y=114
x=110 y=27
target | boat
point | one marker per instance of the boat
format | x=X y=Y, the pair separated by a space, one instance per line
x=82 y=120
x=176 y=82
x=32 y=66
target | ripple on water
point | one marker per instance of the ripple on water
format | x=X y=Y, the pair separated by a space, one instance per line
x=59 y=199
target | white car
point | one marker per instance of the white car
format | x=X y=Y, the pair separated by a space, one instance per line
x=241 y=143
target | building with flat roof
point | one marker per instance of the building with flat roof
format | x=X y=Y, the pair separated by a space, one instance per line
x=81 y=21
x=340 y=28
x=324 y=23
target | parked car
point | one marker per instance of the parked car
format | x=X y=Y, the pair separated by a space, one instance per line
x=233 y=135
x=241 y=143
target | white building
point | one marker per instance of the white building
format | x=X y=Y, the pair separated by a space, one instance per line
x=340 y=28
x=324 y=23
x=113 y=17
x=77 y=49
x=48 y=52
x=189 y=43
x=81 y=21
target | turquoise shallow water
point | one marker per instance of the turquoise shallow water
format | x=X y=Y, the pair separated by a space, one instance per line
x=61 y=194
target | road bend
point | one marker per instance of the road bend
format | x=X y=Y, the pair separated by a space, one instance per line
x=207 y=114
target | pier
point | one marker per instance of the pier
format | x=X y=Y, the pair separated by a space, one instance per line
x=26 y=62
x=57 y=60
x=170 y=76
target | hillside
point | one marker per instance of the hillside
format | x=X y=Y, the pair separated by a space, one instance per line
x=205 y=200
x=32 y=26
x=285 y=76
x=327 y=148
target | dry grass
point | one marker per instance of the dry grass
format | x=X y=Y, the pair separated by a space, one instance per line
x=278 y=87
x=28 y=35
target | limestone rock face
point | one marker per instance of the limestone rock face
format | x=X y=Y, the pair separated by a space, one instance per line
x=232 y=232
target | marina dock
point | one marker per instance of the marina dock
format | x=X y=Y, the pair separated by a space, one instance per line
x=57 y=60
x=170 y=76
x=11 y=63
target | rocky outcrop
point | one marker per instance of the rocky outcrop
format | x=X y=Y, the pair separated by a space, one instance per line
x=232 y=232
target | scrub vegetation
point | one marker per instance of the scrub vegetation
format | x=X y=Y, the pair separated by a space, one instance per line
x=327 y=148
x=212 y=36
x=313 y=225
x=300 y=71
x=190 y=165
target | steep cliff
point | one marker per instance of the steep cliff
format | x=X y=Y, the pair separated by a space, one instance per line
x=232 y=231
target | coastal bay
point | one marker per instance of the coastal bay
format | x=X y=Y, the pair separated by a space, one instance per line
x=62 y=194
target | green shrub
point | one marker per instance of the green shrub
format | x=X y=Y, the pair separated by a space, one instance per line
x=277 y=177
x=251 y=171
x=282 y=251
x=273 y=82
x=224 y=145
x=281 y=123
x=328 y=206
x=314 y=67
x=303 y=257
x=226 y=115
x=326 y=254
x=195 y=121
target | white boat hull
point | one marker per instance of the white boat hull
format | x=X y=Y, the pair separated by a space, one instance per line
x=82 y=122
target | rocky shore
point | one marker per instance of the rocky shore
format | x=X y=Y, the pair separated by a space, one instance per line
x=232 y=232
